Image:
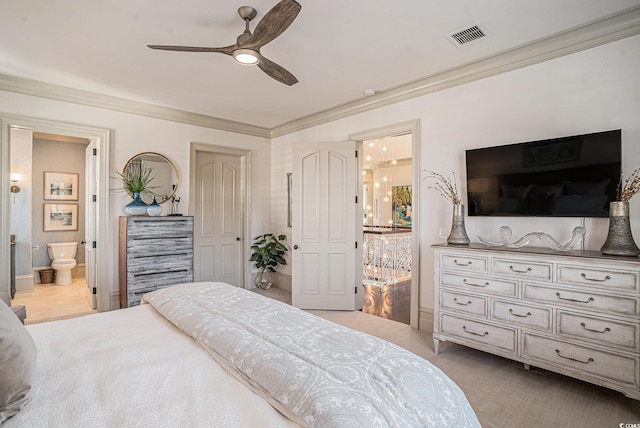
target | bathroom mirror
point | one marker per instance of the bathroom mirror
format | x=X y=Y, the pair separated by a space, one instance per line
x=165 y=175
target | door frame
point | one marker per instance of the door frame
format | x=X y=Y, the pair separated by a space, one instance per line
x=412 y=127
x=245 y=195
x=102 y=139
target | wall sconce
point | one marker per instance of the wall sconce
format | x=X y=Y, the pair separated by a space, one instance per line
x=14 y=178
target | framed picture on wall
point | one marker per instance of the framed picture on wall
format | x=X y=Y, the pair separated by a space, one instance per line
x=60 y=186
x=60 y=217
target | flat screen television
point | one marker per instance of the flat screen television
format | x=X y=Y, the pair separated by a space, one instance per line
x=573 y=176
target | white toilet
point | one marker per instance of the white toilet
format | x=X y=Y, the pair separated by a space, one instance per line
x=63 y=255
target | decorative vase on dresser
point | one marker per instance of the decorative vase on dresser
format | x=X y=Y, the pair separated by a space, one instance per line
x=575 y=312
x=458 y=235
x=154 y=252
x=154 y=209
x=619 y=240
x=136 y=207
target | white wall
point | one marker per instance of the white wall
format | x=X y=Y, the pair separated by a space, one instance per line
x=589 y=91
x=133 y=134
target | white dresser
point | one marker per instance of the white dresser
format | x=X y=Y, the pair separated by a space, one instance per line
x=575 y=313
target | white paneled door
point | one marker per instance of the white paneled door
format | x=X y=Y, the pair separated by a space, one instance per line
x=90 y=271
x=218 y=219
x=325 y=272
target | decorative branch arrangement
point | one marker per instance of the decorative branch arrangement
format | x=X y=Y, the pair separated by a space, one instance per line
x=445 y=186
x=630 y=187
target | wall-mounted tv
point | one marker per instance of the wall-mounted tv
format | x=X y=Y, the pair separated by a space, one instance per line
x=573 y=176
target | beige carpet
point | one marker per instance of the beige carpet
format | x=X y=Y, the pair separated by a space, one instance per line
x=501 y=391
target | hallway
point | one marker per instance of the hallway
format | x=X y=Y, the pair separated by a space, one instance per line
x=50 y=302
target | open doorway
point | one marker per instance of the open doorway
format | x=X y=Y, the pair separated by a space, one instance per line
x=53 y=285
x=385 y=214
x=17 y=137
x=387 y=223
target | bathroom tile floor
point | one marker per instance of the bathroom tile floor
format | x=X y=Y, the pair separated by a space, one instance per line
x=50 y=302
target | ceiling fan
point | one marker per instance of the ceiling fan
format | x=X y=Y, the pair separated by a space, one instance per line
x=246 y=50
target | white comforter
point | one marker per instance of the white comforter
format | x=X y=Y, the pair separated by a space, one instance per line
x=132 y=368
x=317 y=372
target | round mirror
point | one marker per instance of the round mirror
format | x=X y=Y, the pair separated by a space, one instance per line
x=163 y=173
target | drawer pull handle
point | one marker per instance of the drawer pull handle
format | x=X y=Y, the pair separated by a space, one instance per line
x=606 y=330
x=475 y=285
x=606 y=278
x=591 y=299
x=486 y=333
x=462 y=264
x=519 y=271
x=590 y=360
x=455 y=299
x=528 y=314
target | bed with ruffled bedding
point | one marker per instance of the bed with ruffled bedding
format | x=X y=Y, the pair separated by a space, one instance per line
x=210 y=354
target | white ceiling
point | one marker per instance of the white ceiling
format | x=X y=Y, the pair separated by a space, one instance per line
x=335 y=48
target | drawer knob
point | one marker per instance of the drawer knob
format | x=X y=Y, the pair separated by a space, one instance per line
x=606 y=330
x=464 y=327
x=468 y=263
x=606 y=278
x=474 y=285
x=528 y=314
x=589 y=300
x=519 y=271
x=455 y=299
x=590 y=360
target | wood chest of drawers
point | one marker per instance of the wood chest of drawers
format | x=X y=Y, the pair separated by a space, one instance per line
x=154 y=252
x=575 y=313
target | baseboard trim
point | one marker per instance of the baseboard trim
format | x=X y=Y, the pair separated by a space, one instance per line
x=425 y=320
x=282 y=281
x=24 y=284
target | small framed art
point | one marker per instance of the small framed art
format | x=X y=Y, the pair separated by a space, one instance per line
x=60 y=186
x=60 y=217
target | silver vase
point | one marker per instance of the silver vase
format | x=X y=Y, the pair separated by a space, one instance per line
x=458 y=235
x=619 y=240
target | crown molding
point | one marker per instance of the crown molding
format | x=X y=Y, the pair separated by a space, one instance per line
x=597 y=33
x=78 y=96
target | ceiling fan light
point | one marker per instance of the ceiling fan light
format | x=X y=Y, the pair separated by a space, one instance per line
x=246 y=56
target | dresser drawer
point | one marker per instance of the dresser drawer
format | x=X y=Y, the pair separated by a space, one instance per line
x=607 y=365
x=479 y=284
x=582 y=299
x=479 y=332
x=158 y=246
x=464 y=303
x=159 y=279
x=522 y=269
x=147 y=228
x=523 y=315
x=464 y=263
x=598 y=330
x=140 y=264
x=609 y=278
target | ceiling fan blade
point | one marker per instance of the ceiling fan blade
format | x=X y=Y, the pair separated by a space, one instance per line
x=225 y=50
x=277 y=72
x=278 y=19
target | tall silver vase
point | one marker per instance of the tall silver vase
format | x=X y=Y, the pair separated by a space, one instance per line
x=458 y=235
x=619 y=240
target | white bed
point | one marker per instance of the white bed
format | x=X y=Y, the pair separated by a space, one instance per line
x=209 y=354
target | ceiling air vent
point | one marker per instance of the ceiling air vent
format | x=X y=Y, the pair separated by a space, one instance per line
x=466 y=35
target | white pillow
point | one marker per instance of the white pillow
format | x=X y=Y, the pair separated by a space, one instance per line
x=17 y=363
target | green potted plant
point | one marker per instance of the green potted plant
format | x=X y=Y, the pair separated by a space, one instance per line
x=136 y=181
x=268 y=253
